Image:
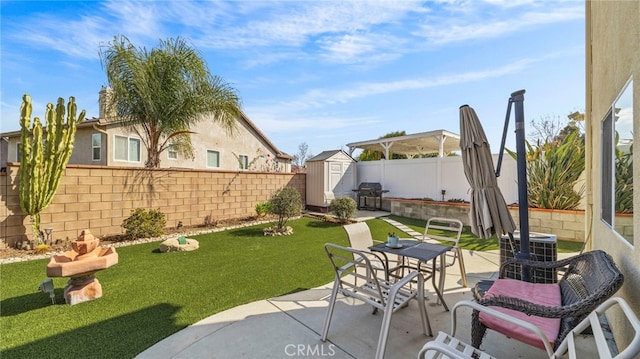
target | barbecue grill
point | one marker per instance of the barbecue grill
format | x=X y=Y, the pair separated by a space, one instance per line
x=370 y=189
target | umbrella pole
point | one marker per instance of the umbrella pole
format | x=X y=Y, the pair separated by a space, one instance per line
x=523 y=203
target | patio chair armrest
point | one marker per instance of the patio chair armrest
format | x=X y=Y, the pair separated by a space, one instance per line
x=502 y=316
x=441 y=348
x=407 y=280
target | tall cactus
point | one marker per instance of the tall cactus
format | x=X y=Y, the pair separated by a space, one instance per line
x=43 y=160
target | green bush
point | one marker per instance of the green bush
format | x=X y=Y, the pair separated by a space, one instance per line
x=262 y=208
x=144 y=223
x=285 y=203
x=343 y=208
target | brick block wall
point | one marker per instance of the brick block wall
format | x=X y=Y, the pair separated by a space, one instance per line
x=100 y=198
x=567 y=225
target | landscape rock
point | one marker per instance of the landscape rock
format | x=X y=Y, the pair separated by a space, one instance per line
x=173 y=245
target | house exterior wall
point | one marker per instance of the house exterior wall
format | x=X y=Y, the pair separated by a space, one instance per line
x=612 y=48
x=100 y=198
x=208 y=136
x=83 y=149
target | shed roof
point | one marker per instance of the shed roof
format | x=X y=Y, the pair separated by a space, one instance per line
x=322 y=156
x=438 y=141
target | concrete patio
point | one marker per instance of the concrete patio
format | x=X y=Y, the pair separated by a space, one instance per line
x=290 y=325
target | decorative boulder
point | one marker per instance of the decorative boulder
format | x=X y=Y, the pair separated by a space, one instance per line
x=178 y=245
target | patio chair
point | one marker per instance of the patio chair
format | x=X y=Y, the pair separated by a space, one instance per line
x=594 y=324
x=452 y=230
x=360 y=238
x=448 y=230
x=381 y=294
x=588 y=279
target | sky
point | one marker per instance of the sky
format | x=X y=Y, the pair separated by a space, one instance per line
x=324 y=73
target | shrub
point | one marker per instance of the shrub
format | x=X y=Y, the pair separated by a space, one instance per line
x=262 y=208
x=144 y=223
x=343 y=208
x=285 y=203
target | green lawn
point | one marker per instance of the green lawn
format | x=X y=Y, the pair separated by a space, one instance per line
x=150 y=295
x=471 y=242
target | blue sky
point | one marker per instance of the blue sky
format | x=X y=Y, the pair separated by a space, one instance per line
x=321 y=72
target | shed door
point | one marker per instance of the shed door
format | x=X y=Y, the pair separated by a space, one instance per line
x=341 y=178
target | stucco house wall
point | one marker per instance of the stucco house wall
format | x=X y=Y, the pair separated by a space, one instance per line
x=612 y=48
x=246 y=140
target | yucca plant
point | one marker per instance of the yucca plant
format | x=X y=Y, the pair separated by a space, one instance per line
x=553 y=168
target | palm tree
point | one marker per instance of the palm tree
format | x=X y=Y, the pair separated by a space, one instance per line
x=161 y=93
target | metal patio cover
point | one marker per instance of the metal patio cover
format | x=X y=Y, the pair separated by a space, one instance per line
x=439 y=141
x=489 y=213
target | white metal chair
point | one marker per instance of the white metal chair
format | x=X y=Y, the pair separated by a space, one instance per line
x=360 y=238
x=359 y=235
x=448 y=346
x=449 y=230
x=381 y=294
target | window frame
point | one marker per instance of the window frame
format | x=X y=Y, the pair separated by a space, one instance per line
x=172 y=150
x=18 y=152
x=94 y=147
x=608 y=170
x=243 y=161
x=127 y=149
x=207 y=158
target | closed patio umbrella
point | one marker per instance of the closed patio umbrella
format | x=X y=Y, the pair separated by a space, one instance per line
x=489 y=213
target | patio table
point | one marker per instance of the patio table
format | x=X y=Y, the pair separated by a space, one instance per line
x=421 y=251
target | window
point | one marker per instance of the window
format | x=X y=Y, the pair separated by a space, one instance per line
x=96 y=146
x=243 y=161
x=126 y=149
x=18 y=152
x=617 y=165
x=213 y=158
x=172 y=152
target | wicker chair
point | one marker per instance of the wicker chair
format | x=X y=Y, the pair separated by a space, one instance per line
x=587 y=280
x=448 y=346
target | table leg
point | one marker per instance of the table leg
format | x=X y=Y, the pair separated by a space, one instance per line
x=439 y=288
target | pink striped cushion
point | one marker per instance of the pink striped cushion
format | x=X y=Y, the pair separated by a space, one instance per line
x=544 y=294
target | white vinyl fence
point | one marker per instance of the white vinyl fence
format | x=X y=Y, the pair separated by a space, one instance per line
x=427 y=177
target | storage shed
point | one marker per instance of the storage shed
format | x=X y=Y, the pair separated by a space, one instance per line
x=331 y=174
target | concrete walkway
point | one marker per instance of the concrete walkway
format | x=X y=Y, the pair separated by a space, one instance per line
x=290 y=325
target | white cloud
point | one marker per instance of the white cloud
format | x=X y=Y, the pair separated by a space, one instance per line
x=294 y=114
x=361 y=47
x=443 y=31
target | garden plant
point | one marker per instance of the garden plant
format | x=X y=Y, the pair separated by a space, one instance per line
x=285 y=204
x=44 y=155
x=344 y=208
